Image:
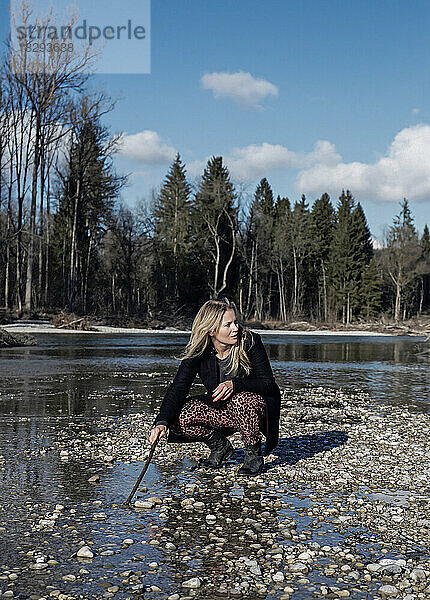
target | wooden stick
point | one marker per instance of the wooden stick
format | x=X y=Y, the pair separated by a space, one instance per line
x=146 y=465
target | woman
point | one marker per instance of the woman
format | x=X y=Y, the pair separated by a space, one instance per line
x=242 y=394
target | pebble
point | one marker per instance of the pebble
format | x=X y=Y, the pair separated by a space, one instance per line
x=389 y=591
x=85 y=552
x=193 y=583
x=144 y=504
x=334 y=499
x=211 y=519
x=298 y=567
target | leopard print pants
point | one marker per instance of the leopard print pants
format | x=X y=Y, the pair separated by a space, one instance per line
x=242 y=412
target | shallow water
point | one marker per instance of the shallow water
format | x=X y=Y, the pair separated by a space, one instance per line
x=98 y=374
x=69 y=380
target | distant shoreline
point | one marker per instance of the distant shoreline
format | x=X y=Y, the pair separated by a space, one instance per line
x=41 y=328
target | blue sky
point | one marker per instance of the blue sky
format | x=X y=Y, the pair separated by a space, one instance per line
x=314 y=95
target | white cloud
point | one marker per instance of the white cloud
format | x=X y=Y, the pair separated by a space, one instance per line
x=241 y=87
x=196 y=167
x=146 y=147
x=403 y=172
x=254 y=161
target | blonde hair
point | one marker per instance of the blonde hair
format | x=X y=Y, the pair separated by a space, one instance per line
x=209 y=318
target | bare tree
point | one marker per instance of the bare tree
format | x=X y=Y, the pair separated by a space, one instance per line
x=46 y=80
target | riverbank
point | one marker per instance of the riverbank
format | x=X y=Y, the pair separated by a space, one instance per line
x=341 y=511
x=40 y=327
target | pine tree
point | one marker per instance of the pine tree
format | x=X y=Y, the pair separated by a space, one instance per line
x=370 y=290
x=424 y=301
x=260 y=230
x=342 y=276
x=322 y=222
x=401 y=255
x=88 y=190
x=172 y=222
x=282 y=252
x=300 y=248
x=215 y=227
x=362 y=255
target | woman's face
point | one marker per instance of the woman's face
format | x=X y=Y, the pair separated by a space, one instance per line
x=227 y=330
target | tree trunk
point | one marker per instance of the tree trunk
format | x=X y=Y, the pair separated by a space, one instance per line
x=230 y=260
x=324 y=289
x=32 y=227
x=217 y=261
x=113 y=294
x=48 y=242
x=398 y=300
x=420 y=307
x=41 y=223
x=8 y=244
x=295 y=282
x=251 y=276
x=87 y=268
x=73 y=248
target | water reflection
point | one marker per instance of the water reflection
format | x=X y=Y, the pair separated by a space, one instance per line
x=68 y=381
x=96 y=374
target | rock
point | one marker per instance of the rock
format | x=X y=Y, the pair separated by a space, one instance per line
x=170 y=547
x=391 y=569
x=173 y=597
x=298 y=567
x=143 y=504
x=192 y=584
x=38 y=566
x=210 y=519
x=393 y=561
x=389 y=591
x=304 y=556
x=85 y=552
x=279 y=576
x=418 y=574
x=94 y=479
x=373 y=567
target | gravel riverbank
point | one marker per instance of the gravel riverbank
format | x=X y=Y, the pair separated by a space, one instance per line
x=341 y=511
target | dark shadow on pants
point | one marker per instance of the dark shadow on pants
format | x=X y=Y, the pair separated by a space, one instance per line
x=290 y=450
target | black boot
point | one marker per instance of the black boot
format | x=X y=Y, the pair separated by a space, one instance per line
x=221 y=450
x=253 y=462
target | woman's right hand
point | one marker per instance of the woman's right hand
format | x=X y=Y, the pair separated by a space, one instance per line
x=157 y=432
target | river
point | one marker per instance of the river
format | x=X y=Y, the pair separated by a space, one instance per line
x=75 y=379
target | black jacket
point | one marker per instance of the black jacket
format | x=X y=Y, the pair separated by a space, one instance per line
x=260 y=381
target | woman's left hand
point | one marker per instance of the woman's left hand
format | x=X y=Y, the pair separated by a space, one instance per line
x=223 y=391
